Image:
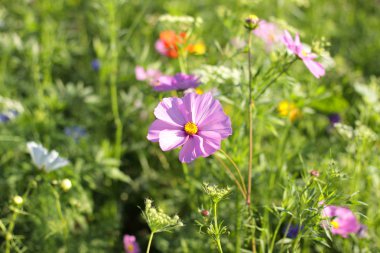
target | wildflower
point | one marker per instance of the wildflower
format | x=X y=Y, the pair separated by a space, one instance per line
x=197 y=48
x=158 y=221
x=288 y=109
x=75 y=132
x=251 y=22
x=342 y=220
x=177 y=82
x=168 y=43
x=334 y=118
x=95 y=64
x=18 y=200
x=195 y=122
x=45 y=160
x=292 y=231
x=130 y=244
x=66 y=184
x=269 y=32
x=9 y=109
x=215 y=192
x=307 y=57
x=218 y=74
x=150 y=75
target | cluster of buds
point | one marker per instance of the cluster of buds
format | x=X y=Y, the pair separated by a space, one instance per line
x=158 y=221
x=251 y=22
x=215 y=192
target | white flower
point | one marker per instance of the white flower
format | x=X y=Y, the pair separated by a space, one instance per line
x=66 y=184
x=43 y=159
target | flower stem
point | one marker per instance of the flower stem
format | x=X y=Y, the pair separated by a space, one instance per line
x=113 y=79
x=236 y=167
x=217 y=235
x=150 y=242
x=248 y=200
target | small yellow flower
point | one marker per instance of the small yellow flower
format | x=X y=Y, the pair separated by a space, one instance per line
x=335 y=224
x=288 y=109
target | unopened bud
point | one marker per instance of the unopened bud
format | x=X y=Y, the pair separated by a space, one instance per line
x=205 y=213
x=252 y=22
x=314 y=173
x=66 y=184
x=18 y=200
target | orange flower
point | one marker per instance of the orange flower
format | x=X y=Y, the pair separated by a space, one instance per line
x=169 y=43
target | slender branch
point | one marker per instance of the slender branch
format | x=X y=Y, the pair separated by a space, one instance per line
x=150 y=242
x=248 y=200
x=236 y=168
x=267 y=85
x=232 y=176
x=217 y=239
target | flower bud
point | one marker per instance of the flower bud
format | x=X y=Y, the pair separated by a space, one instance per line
x=251 y=22
x=314 y=173
x=205 y=213
x=66 y=184
x=18 y=200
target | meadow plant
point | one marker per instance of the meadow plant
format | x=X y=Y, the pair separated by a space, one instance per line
x=146 y=98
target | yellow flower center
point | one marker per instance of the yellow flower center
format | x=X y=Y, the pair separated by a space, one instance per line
x=199 y=91
x=334 y=224
x=130 y=248
x=304 y=53
x=191 y=128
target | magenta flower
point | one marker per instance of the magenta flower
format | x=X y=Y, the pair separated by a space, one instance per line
x=342 y=222
x=195 y=122
x=177 y=82
x=269 y=32
x=150 y=75
x=296 y=47
x=130 y=244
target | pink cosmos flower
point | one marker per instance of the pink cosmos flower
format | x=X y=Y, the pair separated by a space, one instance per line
x=343 y=221
x=177 y=82
x=296 y=47
x=269 y=32
x=130 y=244
x=195 y=122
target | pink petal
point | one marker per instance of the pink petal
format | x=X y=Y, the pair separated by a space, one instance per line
x=315 y=67
x=199 y=105
x=221 y=125
x=169 y=110
x=140 y=73
x=192 y=149
x=171 y=139
x=160 y=47
x=211 y=141
x=158 y=126
x=287 y=38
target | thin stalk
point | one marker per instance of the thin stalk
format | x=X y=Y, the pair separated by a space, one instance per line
x=236 y=167
x=217 y=236
x=150 y=242
x=248 y=200
x=232 y=176
x=113 y=80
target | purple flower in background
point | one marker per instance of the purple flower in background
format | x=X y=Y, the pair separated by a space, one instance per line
x=75 y=132
x=177 y=82
x=334 y=118
x=7 y=115
x=292 y=231
x=4 y=118
x=269 y=32
x=197 y=123
x=95 y=64
x=150 y=75
x=296 y=47
x=130 y=244
x=342 y=220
